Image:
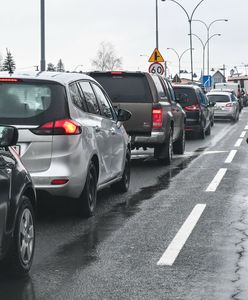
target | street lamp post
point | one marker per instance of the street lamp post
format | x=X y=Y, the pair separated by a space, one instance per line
x=179 y=58
x=42 y=35
x=190 y=19
x=208 y=35
x=157 y=24
x=204 y=48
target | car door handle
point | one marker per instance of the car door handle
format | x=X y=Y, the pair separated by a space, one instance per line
x=112 y=131
x=97 y=129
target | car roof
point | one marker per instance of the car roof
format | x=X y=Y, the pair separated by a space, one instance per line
x=59 y=77
x=188 y=86
x=219 y=93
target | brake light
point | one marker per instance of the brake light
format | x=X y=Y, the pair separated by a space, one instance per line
x=59 y=127
x=157 y=118
x=116 y=72
x=194 y=107
x=9 y=80
x=229 y=105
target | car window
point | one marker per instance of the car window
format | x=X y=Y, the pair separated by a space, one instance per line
x=90 y=97
x=106 y=108
x=125 y=88
x=32 y=102
x=170 y=90
x=219 y=98
x=186 y=96
x=203 y=98
x=159 y=86
x=76 y=96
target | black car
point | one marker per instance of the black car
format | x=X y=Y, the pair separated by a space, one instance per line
x=199 y=115
x=17 y=206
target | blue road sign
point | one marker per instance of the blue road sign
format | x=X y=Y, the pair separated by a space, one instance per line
x=207 y=81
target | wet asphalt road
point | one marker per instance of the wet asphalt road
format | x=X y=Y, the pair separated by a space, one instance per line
x=114 y=255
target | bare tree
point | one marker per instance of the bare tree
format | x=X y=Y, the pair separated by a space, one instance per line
x=60 y=66
x=106 y=59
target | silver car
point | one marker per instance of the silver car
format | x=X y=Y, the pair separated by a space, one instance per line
x=226 y=105
x=71 y=139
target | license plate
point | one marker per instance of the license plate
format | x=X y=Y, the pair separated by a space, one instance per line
x=218 y=108
x=17 y=149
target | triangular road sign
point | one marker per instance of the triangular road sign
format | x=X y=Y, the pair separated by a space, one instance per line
x=156 y=56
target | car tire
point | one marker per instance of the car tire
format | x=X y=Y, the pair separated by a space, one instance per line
x=212 y=121
x=122 y=186
x=87 y=200
x=20 y=255
x=202 y=133
x=164 y=153
x=179 y=145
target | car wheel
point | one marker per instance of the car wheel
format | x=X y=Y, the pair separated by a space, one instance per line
x=122 y=186
x=20 y=256
x=212 y=121
x=164 y=152
x=87 y=201
x=202 y=133
x=179 y=145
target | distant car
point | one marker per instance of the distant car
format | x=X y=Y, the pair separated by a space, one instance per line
x=71 y=139
x=157 y=121
x=199 y=116
x=227 y=106
x=240 y=99
x=17 y=206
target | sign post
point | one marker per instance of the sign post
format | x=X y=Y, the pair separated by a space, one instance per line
x=156 y=59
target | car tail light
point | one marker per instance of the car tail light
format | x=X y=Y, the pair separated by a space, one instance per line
x=157 y=118
x=116 y=72
x=59 y=127
x=229 y=105
x=59 y=181
x=194 y=107
x=9 y=80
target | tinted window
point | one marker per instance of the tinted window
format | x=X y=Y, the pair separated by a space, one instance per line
x=32 y=102
x=106 y=108
x=203 y=98
x=219 y=98
x=76 y=97
x=90 y=97
x=185 y=96
x=125 y=87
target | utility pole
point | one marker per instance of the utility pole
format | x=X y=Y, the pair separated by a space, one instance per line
x=42 y=35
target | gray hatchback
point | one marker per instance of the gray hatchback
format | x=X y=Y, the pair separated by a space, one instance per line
x=71 y=139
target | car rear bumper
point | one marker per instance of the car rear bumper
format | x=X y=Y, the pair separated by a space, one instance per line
x=156 y=138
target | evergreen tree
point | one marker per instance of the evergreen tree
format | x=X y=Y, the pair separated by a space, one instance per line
x=51 y=67
x=9 y=63
x=60 y=66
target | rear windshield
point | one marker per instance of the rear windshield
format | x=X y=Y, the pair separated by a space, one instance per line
x=185 y=96
x=219 y=98
x=32 y=102
x=128 y=88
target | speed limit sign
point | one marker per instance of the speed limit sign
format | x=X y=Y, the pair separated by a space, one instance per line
x=156 y=68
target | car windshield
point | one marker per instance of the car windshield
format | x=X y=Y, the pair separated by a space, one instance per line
x=125 y=87
x=185 y=96
x=218 y=98
x=31 y=102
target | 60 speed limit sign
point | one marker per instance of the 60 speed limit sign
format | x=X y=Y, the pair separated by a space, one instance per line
x=156 y=68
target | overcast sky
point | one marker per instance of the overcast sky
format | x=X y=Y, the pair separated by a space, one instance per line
x=75 y=28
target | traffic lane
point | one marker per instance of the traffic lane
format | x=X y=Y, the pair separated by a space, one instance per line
x=62 y=240
x=126 y=264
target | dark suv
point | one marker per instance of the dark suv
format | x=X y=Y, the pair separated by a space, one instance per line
x=17 y=205
x=199 y=116
x=157 y=120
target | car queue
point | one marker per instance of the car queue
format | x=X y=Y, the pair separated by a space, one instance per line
x=75 y=136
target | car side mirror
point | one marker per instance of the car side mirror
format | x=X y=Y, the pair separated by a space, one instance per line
x=123 y=115
x=8 y=136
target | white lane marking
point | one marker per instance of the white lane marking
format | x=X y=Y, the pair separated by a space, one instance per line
x=246 y=127
x=230 y=157
x=216 y=181
x=173 y=250
x=243 y=134
x=238 y=143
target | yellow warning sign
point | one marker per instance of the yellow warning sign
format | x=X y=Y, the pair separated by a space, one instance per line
x=156 y=56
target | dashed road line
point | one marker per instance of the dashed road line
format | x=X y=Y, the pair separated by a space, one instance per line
x=231 y=156
x=246 y=127
x=216 y=181
x=173 y=250
x=238 y=143
x=243 y=134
